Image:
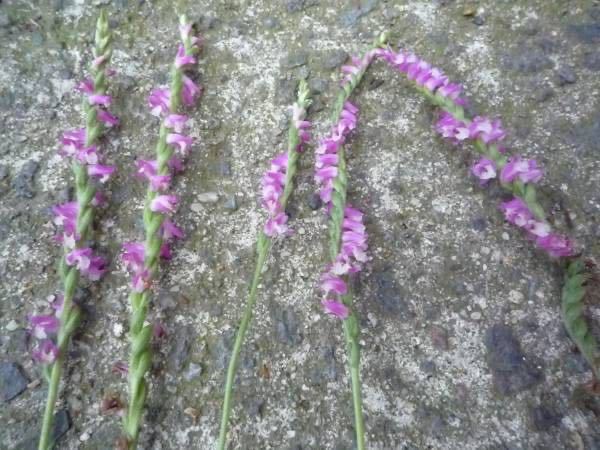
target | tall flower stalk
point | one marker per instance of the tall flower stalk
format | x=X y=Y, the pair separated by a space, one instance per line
x=347 y=236
x=516 y=175
x=76 y=218
x=277 y=186
x=143 y=258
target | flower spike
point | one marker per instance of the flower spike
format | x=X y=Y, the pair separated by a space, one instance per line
x=142 y=259
x=277 y=186
x=75 y=219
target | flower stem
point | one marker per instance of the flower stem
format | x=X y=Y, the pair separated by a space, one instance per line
x=48 y=419
x=262 y=250
x=85 y=191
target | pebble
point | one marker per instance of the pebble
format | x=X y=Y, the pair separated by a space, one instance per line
x=439 y=338
x=12 y=325
x=12 y=380
x=196 y=207
x=180 y=349
x=314 y=201
x=287 y=325
x=192 y=372
x=23 y=183
x=511 y=371
x=566 y=75
x=208 y=197
x=333 y=59
x=295 y=60
x=528 y=60
x=231 y=203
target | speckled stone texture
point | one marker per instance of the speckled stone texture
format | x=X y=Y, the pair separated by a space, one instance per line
x=463 y=346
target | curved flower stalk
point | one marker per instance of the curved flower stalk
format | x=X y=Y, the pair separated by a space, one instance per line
x=347 y=237
x=75 y=218
x=516 y=175
x=277 y=187
x=143 y=258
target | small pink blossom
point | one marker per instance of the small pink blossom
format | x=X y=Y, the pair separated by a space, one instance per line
x=98 y=99
x=190 y=91
x=170 y=231
x=164 y=204
x=277 y=225
x=176 y=122
x=159 y=101
x=556 y=245
x=43 y=326
x=103 y=173
x=133 y=256
x=181 y=59
x=108 y=119
x=526 y=170
x=46 y=352
x=335 y=308
x=181 y=141
x=484 y=169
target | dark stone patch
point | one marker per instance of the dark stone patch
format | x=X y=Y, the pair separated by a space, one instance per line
x=180 y=349
x=23 y=183
x=294 y=6
x=254 y=406
x=586 y=136
x=324 y=368
x=511 y=371
x=439 y=338
x=287 y=325
x=586 y=32
x=591 y=60
x=221 y=349
x=389 y=295
x=62 y=424
x=12 y=380
x=566 y=75
x=333 y=59
x=544 y=93
x=479 y=20
x=295 y=60
x=479 y=224
x=352 y=16
x=528 y=60
x=544 y=417
x=314 y=201
x=318 y=85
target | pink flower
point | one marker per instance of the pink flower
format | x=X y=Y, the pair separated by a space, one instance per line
x=87 y=155
x=169 y=230
x=516 y=212
x=72 y=141
x=141 y=281
x=133 y=256
x=86 y=86
x=80 y=258
x=97 y=99
x=556 y=245
x=190 y=91
x=102 y=172
x=107 y=118
x=65 y=215
x=484 y=169
x=185 y=31
x=277 y=226
x=181 y=141
x=165 y=251
x=164 y=204
x=88 y=264
x=99 y=199
x=159 y=101
x=335 y=308
x=334 y=284
x=525 y=170
x=176 y=122
x=181 y=59
x=487 y=130
x=46 y=352
x=451 y=128
x=160 y=182
x=538 y=229
x=56 y=303
x=44 y=326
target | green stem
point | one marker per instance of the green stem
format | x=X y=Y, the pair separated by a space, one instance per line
x=48 y=419
x=85 y=191
x=263 y=247
x=351 y=334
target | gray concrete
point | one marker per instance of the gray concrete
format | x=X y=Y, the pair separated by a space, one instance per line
x=463 y=346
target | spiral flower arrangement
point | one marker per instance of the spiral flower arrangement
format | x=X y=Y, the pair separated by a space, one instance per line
x=277 y=187
x=76 y=218
x=143 y=258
